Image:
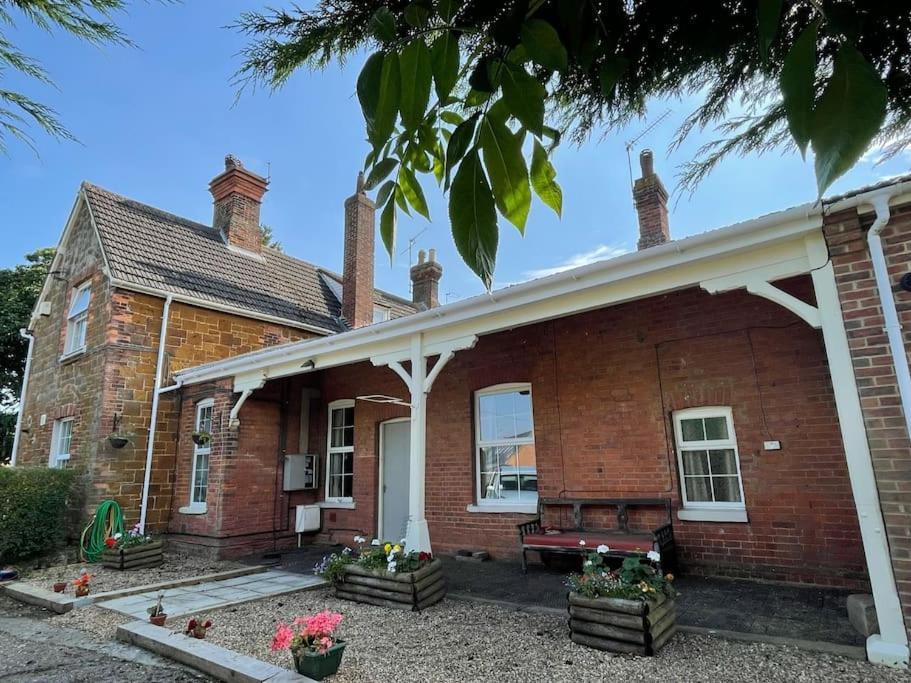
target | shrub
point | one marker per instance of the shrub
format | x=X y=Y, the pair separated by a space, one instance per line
x=33 y=511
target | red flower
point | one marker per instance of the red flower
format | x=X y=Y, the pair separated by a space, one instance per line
x=110 y=542
x=423 y=557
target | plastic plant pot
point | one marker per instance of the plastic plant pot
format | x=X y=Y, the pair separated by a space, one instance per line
x=319 y=666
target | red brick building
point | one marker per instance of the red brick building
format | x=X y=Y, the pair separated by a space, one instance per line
x=754 y=375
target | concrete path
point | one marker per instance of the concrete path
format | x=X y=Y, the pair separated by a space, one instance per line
x=214 y=595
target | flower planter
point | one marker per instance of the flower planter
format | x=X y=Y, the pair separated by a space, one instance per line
x=317 y=666
x=411 y=590
x=134 y=557
x=118 y=442
x=639 y=627
x=81 y=591
x=158 y=619
x=60 y=587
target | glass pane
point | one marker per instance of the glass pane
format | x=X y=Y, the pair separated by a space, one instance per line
x=488 y=484
x=723 y=462
x=727 y=489
x=343 y=417
x=80 y=301
x=348 y=487
x=342 y=437
x=335 y=486
x=693 y=430
x=204 y=423
x=716 y=428
x=525 y=458
x=529 y=482
x=505 y=416
x=348 y=463
x=496 y=457
x=695 y=462
x=698 y=489
x=201 y=478
x=335 y=464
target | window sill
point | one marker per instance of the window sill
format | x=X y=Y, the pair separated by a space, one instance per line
x=71 y=356
x=712 y=515
x=193 y=509
x=337 y=504
x=504 y=509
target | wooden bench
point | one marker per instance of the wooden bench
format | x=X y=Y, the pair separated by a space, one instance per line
x=622 y=541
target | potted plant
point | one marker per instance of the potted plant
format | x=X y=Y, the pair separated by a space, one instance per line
x=317 y=651
x=82 y=583
x=202 y=438
x=117 y=441
x=132 y=550
x=59 y=586
x=157 y=615
x=197 y=628
x=630 y=609
x=385 y=574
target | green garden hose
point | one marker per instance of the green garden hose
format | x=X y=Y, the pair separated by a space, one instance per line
x=108 y=520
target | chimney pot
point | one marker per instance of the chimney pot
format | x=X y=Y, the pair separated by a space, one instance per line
x=425 y=280
x=651 y=204
x=237 y=194
x=433 y=255
x=421 y=256
x=647 y=163
x=357 y=275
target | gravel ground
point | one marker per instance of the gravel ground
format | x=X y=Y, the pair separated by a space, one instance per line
x=175 y=566
x=95 y=620
x=462 y=641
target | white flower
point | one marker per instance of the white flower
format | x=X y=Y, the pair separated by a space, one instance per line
x=118 y=536
x=588 y=563
x=603 y=549
x=582 y=541
x=654 y=556
x=359 y=539
x=375 y=541
x=391 y=558
x=402 y=542
x=391 y=567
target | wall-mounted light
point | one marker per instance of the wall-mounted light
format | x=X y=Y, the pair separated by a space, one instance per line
x=309 y=364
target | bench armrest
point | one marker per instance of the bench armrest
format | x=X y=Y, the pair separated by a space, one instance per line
x=531 y=527
x=664 y=534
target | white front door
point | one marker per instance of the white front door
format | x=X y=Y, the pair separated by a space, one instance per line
x=395 y=440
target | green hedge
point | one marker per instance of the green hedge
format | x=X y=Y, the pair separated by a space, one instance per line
x=33 y=511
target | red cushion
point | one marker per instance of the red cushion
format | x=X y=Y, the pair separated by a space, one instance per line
x=570 y=539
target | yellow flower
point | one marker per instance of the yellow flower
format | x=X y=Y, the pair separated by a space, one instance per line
x=387 y=547
x=396 y=548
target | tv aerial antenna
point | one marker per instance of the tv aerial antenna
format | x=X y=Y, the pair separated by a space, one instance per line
x=413 y=240
x=632 y=143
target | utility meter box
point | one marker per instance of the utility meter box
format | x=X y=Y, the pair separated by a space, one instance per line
x=300 y=471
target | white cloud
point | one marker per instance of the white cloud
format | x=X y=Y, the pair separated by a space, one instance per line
x=599 y=253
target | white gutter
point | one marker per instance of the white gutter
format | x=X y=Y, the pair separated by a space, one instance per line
x=887 y=302
x=28 y=366
x=156 y=393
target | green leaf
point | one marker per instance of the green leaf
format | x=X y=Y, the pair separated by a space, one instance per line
x=506 y=168
x=473 y=218
x=798 y=76
x=524 y=96
x=385 y=192
x=387 y=227
x=412 y=191
x=445 y=56
x=416 y=75
x=447 y=9
x=768 y=16
x=382 y=25
x=439 y=163
x=611 y=71
x=386 y=109
x=542 y=42
x=379 y=172
x=368 y=86
x=459 y=143
x=451 y=117
x=543 y=179
x=416 y=15
x=848 y=115
x=400 y=200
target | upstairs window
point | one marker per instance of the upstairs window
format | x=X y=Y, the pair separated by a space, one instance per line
x=708 y=459
x=505 y=446
x=380 y=313
x=340 y=452
x=61 y=438
x=77 y=318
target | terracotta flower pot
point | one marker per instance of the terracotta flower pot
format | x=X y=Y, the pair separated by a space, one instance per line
x=158 y=619
x=199 y=633
x=82 y=591
x=60 y=586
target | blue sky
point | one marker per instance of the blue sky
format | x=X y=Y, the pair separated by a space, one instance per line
x=154 y=123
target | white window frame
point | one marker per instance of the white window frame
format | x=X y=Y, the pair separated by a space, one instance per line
x=57 y=457
x=195 y=506
x=337 y=450
x=708 y=511
x=487 y=504
x=77 y=323
x=384 y=311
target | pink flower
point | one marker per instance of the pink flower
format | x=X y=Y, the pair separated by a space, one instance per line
x=323 y=623
x=283 y=637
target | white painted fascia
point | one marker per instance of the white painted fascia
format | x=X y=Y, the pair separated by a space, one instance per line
x=217 y=306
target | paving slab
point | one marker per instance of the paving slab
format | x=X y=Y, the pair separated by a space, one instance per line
x=216 y=661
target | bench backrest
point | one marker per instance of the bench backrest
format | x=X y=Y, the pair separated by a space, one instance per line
x=622 y=505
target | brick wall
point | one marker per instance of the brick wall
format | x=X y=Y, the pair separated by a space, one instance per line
x=604 y=385
x=889 y=445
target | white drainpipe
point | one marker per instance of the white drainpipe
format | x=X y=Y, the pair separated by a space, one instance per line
x=28 y=366
x=887 y=303
x=156 y=392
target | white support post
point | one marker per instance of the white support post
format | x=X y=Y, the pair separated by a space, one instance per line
x=417 y=535
x=890 y=645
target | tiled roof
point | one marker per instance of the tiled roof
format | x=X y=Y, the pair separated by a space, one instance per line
x=154 y=249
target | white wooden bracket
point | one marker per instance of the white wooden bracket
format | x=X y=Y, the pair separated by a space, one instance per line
x=755 y=284
x=246 y=386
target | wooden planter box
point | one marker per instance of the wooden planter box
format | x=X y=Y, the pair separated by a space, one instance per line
x=639 y=627
x=135 y=557
x=413 y=591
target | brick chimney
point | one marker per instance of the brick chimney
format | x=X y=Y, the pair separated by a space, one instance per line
x=425 y=280
x=357 y=276
x=651 y=204
x=238 y=195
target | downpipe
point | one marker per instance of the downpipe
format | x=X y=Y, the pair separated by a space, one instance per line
x=28 y=366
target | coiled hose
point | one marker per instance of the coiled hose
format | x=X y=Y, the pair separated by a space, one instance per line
x=108 y=520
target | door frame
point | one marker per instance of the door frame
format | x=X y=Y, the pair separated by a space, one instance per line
x=382 y=475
